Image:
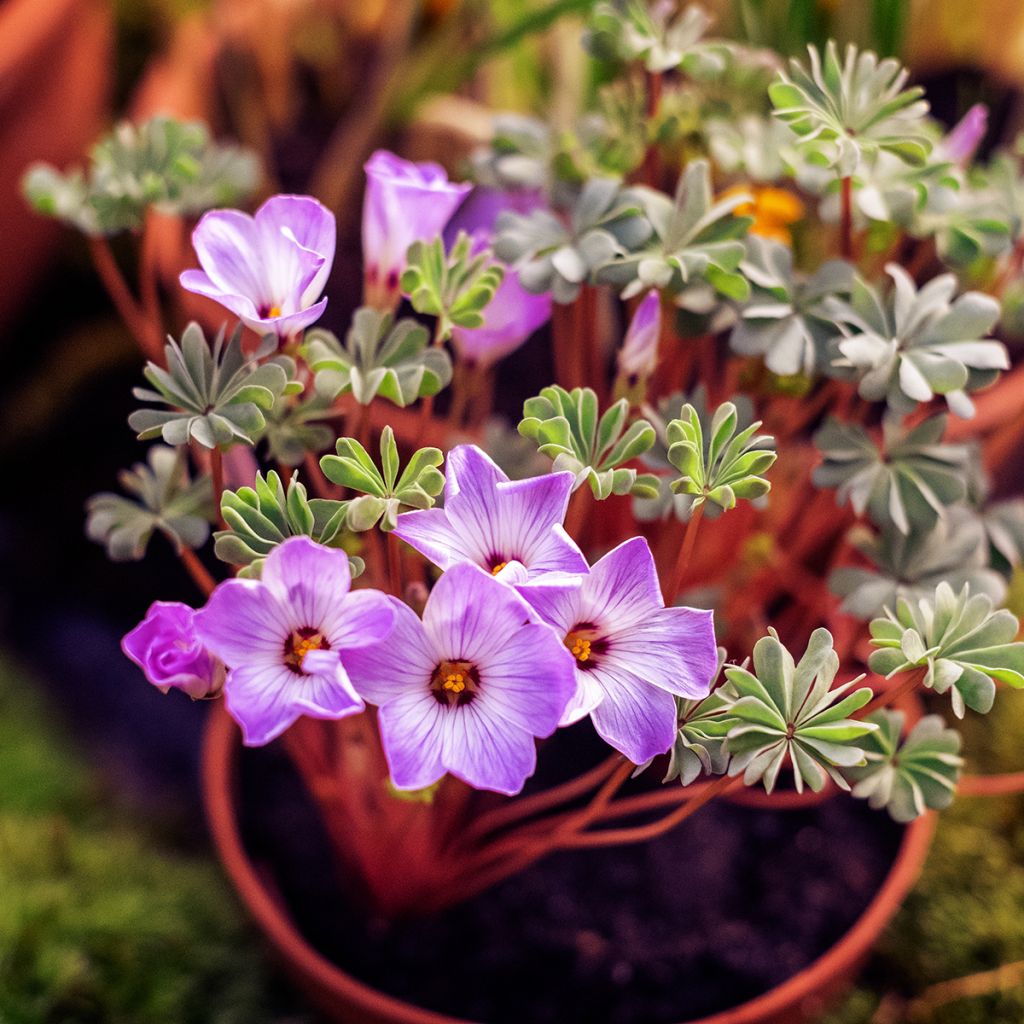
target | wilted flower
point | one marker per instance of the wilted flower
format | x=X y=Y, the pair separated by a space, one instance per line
x=632 y=653
x=282 y=638
x=269 y=269
x=405 y=202
x=165 y=646
x=466 y=689
x=638 y=356
x=490 y=521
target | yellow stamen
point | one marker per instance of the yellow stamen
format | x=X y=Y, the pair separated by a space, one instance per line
x=455 y=682
x=498 y=568
x=274 y=311
x=579 y=646
x=300 y=644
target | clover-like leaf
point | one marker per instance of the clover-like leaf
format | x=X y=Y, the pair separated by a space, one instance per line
x=217 y=396
x=911 y=566
x=752 y=146
x=294 y=430
x=455 y=286
x=383 y=492
x=908 y=481
x=655 y=33
x=719 y=464
x=965 y=645
x=908 y=778
x=790 y=711
x=379 y=357
x=695 y=239
x=556 y=255
x=163 y=499
x=163 y=163
x=910 y=345
x=265 y=515
x=786 y=319
x=567 y=428
x=519 y=155
x=844 y=110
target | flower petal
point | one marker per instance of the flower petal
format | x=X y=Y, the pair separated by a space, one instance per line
x=411 y=730
x=304 y=222
x=259 y=699
x=637 y=719
x=242 y=621
x=622 y=588
x=485 y=751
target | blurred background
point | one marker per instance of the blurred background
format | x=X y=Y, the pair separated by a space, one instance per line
x=112 y=908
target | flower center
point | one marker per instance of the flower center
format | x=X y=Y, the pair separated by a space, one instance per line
x=495 y=569
x=585 y=644
x=300 y=643
x=269 y=312
x=455 y=683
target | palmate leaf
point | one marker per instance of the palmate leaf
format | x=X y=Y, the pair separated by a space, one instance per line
x=908 y=481
x=567 y=428
x=789 y=712
x=844 y=110
x=720 y=464
x=216 y=396
x=163 y=163
x=383 y=492
x=966 y=646
x=911 y=566
x=378 y=358
x=455 y=286
x=265 y=515
x=552 y=254
x=695 y=239
x=786 y=319
x=295 y=429
x=909 y=345
x=908 y=778
x=163 y=500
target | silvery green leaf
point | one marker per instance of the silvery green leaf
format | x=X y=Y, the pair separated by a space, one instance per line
x=217 y=396
x=163 y=499
x=378 y=357
x=567 y=428
x=966 y=646
x=849 y=108
x=294 y=429
x=519 y=155
x=909 y=345
x=910 y=777
x=788 y=712
x=163 y=163
x=908 y=481
x=910 y=566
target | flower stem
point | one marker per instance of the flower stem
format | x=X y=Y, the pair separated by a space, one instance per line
x=199 y=573
x=148 y=335
x=675 y=581
x=217 y=477
x=909 y=683
x=652 y=164
x=846 y=218
x=394 y=557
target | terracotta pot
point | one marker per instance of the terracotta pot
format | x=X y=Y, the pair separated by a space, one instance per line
x=54 y=85
x=346 y=1000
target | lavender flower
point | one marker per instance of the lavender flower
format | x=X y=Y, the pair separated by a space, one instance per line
x=638 y=356
x=405 y=202
x=491 y=521
x=268 y=269
x=466 y=689
x=633 y=655
x=282 y=638
x=165 y=646
x=963 y=139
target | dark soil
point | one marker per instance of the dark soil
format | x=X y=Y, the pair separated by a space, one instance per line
x=729 y=905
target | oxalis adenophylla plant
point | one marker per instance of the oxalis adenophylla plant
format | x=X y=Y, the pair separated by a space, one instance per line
x=745 y=531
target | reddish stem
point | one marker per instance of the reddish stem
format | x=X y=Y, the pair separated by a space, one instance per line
x=148 y=335
x=199 y=573
x=675 y=581
x=846 y=218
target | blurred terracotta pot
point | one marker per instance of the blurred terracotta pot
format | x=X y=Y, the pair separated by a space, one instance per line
x=347 y=1000
x=54 y=91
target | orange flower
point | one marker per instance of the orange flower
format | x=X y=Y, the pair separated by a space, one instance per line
x=773 y=210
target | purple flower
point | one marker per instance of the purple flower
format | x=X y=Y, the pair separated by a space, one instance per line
x=491 y=521
x=405 y=202
x=282 y=638
x=632 y=653
x=165 y=646
x=638 y=356
x=467 y=689
x=964 y=138
x=269 y=269
x=513 y=314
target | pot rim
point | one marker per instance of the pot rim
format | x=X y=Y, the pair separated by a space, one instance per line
x=331 y=982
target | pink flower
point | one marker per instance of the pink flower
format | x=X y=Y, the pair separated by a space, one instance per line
x=638 y=356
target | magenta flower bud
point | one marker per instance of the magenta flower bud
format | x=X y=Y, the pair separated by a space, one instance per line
x=165 y=646
x=963 y=140
x=405 y=202
x=269 y=269
x=638 y=356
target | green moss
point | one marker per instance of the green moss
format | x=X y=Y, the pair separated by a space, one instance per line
x=98 y=923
